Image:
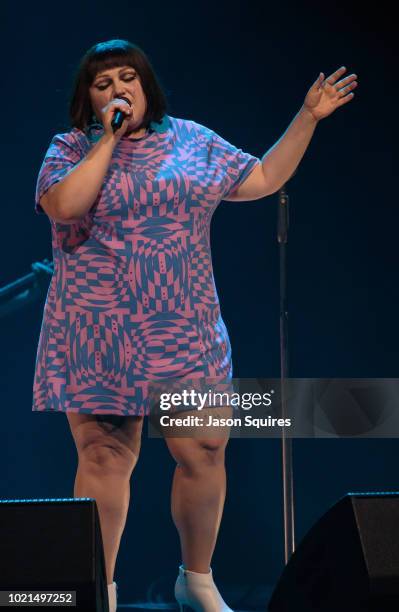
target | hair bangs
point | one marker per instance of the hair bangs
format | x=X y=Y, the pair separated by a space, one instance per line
x=109 y=59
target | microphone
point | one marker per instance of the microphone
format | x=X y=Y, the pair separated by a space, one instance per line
x=118 y=117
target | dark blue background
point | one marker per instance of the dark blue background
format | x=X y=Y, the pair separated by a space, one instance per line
x=242 y=69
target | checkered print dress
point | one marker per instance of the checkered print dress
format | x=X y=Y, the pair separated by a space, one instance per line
x=132 y=298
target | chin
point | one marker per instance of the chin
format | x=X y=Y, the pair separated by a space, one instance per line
x=134 y=127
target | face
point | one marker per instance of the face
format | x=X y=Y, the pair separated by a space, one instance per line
x=114 y=83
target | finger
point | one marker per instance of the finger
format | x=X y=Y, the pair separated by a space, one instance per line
x=344 y=90
x=125 y=110
x=122 y=106
x=346 y=80
x=332 y=79
x=346 y=99
x=319 y=80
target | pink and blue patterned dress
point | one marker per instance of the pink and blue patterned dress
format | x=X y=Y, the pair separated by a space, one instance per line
x=133 y=298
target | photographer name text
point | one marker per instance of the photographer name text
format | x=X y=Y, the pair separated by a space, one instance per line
x=213 y=421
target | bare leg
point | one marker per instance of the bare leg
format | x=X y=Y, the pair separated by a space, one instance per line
x=111 y=490
x=108 y=449
x=198 y=495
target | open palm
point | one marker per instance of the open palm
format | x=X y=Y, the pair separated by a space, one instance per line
x=326 y=95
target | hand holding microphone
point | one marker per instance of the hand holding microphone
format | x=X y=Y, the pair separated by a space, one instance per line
x=119 y=116
x=114 y=115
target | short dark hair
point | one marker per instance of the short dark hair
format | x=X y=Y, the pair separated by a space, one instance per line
x=111 y=54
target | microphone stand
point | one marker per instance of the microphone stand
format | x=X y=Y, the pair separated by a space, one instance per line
x=27 y=289
x=286 y=443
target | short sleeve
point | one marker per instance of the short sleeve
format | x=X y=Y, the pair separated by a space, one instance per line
x=232 y=165
x=63 y=153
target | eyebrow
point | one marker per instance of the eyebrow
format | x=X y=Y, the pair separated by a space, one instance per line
x=100 y=76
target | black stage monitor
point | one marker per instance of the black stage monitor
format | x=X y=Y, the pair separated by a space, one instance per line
x=52 y=546
x=347 y=562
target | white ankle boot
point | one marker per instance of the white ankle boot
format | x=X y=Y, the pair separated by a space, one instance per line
x=112 y=597
x=199 y=592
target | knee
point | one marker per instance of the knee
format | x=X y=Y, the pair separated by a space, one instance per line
x=106 y=458
x=200 y=454
x=211 y=455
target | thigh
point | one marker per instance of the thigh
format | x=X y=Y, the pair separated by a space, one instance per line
x=122 y=433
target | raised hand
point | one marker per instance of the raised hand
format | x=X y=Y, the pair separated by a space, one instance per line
x=328 y=94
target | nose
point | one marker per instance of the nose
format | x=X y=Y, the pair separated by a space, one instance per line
x=120 y=90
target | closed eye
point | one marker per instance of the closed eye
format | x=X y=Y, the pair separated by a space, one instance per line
x=127 y=78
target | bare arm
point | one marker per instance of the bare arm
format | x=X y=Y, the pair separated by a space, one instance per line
x=73 y=196
x=279 y=163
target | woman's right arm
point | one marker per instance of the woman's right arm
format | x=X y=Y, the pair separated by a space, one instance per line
x=72 y=197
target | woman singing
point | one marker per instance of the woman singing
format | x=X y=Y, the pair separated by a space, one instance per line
x=132 y=298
